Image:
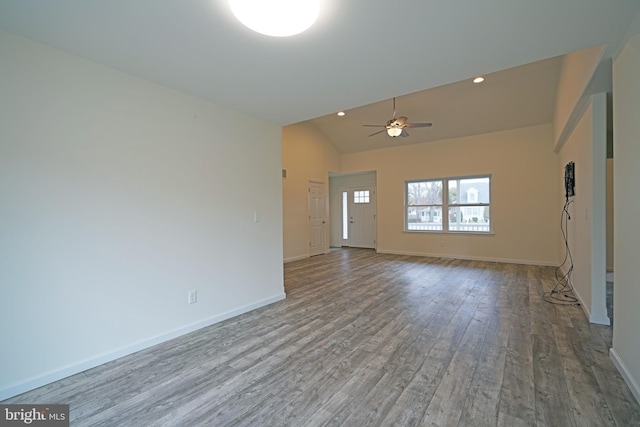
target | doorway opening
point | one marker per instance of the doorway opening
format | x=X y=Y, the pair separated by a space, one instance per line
x=610 y=276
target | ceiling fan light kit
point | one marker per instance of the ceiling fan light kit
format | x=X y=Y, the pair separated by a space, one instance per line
x=394 y=131
x=397 y=126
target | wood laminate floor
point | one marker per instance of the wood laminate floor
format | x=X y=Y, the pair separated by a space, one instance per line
x=368 y=339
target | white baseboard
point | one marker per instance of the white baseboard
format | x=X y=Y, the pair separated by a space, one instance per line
x=628 y=378
x=599 y=320
x=587 y=311
x=81 y=366
x=295 y=258
x=469 y=258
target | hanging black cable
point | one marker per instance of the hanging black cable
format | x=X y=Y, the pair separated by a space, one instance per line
x=562 y=293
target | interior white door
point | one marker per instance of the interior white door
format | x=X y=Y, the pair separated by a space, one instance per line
x=362 y=217
x=317 y=221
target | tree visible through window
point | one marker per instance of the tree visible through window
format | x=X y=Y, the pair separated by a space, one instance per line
x=466 y=204
x=424 y=200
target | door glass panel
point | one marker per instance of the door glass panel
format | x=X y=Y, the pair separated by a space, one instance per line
x=345 y=215
x=361 y=196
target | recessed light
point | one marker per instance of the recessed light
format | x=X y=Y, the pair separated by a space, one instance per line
x=478 y=80
x=341 y=113
x=278 y=18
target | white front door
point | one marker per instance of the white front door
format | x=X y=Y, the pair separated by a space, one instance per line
x=361 y=214
x=317 y=209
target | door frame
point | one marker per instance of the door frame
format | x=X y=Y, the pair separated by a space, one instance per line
x=349 y=190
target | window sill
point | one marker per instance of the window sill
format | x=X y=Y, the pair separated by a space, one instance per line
x=455 y=233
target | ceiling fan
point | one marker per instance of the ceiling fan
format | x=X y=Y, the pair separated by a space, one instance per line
x=397 y=126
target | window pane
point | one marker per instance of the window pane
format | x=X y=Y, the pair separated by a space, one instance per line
x=424 y=218
x=470 y=190
x=361 y=196
x=345 y=215
x=424 y=193
x=453 y=191
x=470 y=218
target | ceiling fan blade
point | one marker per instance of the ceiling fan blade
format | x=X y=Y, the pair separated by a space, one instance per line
x=375 y=133
x=404 y=133
x=375 y=126
x=401 y=120
x=417 y=125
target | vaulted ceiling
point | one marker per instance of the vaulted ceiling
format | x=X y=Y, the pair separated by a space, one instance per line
x=360 y=52
x=513 y=98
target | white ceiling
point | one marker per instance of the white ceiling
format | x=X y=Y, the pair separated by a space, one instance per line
x=513 y=98
x=358 y=53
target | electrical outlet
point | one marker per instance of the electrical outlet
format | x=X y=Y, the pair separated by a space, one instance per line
x=192 y=297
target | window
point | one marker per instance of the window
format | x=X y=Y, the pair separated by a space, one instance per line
x=424 y=205
x=361 y=196
x=466 y=203
x=345 y=216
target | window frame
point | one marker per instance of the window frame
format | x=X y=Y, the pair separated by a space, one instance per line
x=446 y=205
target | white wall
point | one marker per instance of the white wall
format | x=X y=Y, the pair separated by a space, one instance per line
x=119 y=196
x=524 y=194
x=577 y=149
x=586 y=147
x=626 y=111
x=307 y=156
x=578 y=69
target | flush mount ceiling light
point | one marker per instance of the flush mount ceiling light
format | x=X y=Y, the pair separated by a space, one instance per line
x=341 y=113
x=478 y=79
x=278 y=18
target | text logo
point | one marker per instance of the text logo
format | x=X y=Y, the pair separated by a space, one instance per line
x=34 y=415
